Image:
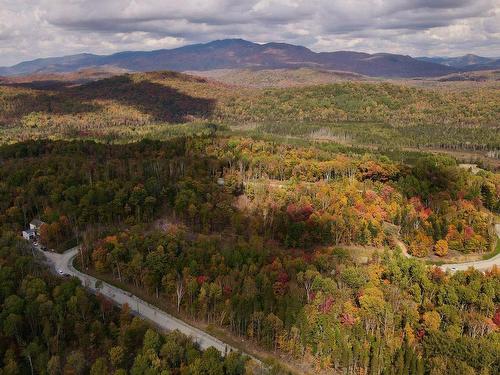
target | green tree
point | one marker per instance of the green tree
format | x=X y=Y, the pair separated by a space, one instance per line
x=99 y=367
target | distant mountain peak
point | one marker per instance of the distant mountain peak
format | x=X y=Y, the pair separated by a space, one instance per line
x=239 y=54
x=229 y=43
x=471 y=55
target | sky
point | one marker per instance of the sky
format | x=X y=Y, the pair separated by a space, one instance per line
x=43 y=28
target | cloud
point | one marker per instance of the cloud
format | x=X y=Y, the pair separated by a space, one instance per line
x=42 y=28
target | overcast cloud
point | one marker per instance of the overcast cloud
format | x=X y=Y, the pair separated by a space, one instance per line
x=43 y=28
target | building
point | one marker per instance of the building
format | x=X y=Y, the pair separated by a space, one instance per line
x=29 y=234
x=33 y=231
x=36 y=224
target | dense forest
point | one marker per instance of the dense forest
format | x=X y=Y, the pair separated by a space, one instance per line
x=166 y=104
x=281 y=216
x=52 y=326
x=392 y=315
x=300 y=197
x=259 y=242
x=319 y=196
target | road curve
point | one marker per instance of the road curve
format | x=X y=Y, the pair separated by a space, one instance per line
x=481 y=265
x=63 y=263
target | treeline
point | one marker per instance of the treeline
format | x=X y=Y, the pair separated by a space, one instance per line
x=52 y=326
x=301 y=196
x=386 y=135
x=391 y=316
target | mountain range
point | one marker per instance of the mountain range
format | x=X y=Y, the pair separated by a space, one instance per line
x=238 y=54
x=467 y=62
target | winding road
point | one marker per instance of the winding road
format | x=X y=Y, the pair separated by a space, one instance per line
x=481 y=265
x=63 y=264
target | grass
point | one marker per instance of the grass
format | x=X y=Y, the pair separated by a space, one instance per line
x=494 y=252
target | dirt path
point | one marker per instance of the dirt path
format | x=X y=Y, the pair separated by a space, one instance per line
x=403 y=247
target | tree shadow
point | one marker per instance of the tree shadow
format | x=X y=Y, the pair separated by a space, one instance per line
x=161 y=102
x=24 y=103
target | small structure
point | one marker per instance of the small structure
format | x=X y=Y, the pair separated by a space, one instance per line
x=471 y=167
x=33 y=231
x=36 y=224
x=29 y=234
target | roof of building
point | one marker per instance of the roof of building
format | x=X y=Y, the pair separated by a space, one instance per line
x=36 y=222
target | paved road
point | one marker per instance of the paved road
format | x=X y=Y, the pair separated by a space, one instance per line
x=481 y=265
x=63 y=263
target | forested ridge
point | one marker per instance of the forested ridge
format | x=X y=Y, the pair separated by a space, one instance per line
x=155 y=104
x=258 y=243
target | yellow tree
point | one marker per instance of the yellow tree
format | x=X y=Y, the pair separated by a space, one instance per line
x=441 y=248
x=420 y=245
x=431 y=320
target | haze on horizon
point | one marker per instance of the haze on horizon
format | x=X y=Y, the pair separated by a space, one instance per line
x=44 y=28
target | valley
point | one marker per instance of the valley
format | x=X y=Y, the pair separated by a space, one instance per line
x=461 y=121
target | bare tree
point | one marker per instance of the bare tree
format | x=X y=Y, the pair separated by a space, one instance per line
x=179 y=290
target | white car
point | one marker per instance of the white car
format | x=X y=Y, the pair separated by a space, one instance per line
x=60 y=271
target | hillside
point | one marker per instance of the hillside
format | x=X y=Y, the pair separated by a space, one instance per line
x=271 y=257
x=238 y=54
x=278 y=77
x=495 y=64
x=480 y=76
x=320 y=182
x=53 y=80
x=164 y=104
x=459 y=61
